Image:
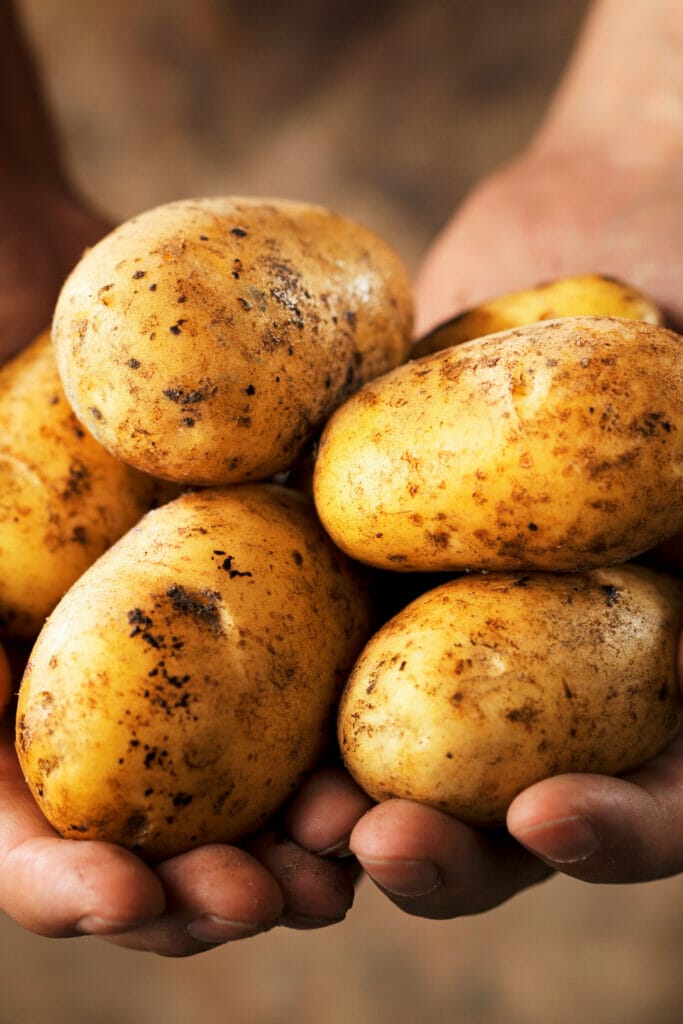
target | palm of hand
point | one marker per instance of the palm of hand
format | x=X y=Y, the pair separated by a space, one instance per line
x=540 y=219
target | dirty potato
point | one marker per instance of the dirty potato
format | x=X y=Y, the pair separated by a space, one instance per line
x=490 y=683
x=554 y=446
x=207 y=341
x=187 y=682
x=63 y=498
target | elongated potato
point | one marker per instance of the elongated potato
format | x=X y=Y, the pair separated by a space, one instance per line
x=488 y=684
x=186 y=683
x=554 y=446
x=581 y=295
x=206 y=341
x=63 y=498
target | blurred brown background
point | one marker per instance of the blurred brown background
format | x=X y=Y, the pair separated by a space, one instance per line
x=387 y=111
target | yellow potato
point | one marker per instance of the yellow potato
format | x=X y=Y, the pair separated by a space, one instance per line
x=487 y=684
x=554 y=446
x=582 y=295
x=186 y=683
x=63 y=498
x=207 y=341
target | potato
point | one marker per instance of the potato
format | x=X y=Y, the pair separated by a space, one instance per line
x=489 y=683
x=63 y=498
x=555 y=446
x=581 y=295
x=187 y=682
x=206 y=341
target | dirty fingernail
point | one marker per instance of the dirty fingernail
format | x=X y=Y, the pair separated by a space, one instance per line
x=91 y=924
x=403 y=877
x=339 y=850
x=564 y=841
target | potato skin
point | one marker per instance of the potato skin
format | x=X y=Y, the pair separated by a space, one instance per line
x=187 y=682
x=489 y=683
x=555 y=446
x=206 y=341
x=63 y=498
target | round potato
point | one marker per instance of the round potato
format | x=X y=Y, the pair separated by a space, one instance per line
x=555 y=446
x=490 y=683
x=63 y=498
x=206 y=341
x=186 y=683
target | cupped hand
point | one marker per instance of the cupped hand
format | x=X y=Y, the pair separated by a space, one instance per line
x=59 y=887
x=540 y=218
x=184 y=905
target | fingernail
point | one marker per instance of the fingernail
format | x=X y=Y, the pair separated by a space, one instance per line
x=564 y=841
x=91 y=924
x=213 y=929
x=403 y=877
x=339 y=850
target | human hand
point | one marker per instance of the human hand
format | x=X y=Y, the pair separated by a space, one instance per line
x=182 y=906
x=547 y=216
x=541 y=218
x=60 y=887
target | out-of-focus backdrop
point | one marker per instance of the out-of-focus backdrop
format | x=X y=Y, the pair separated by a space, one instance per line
x=389 y=111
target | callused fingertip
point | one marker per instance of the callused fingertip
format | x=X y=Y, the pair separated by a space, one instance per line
x=567 y=840
x=404 y=878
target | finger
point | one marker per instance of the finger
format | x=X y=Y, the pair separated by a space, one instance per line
x=214 y=894
x=324 y=812
x=432 y=865
x=317 y=891
x=61 y=887
x=603 y=829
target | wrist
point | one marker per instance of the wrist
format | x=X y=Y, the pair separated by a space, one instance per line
x=620 y=101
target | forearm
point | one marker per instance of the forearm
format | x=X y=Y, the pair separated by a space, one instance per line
x=28 y=149
x=622 y=94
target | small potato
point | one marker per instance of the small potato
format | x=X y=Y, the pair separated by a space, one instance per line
x=554 y=446
x=581 y=295
x=183 y=687
x=488 y=684
x=207 y=341
x=63 y=498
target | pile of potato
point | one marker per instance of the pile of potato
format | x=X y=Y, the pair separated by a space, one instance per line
x=200 y=623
